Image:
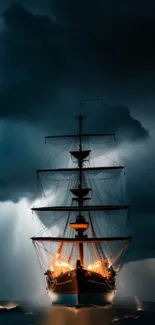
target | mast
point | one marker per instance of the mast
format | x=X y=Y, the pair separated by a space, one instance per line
x=80 y=149
x=80 y=231
x=80 y=225
x=80 y=132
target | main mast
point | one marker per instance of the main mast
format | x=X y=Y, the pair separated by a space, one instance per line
x=80 y=225
x=80 y=149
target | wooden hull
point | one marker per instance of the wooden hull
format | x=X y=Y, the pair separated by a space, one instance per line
x=81 y=286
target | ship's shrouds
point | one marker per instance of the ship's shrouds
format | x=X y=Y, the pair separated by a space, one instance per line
x=85 y=214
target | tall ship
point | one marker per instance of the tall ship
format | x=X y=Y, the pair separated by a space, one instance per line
x=84 y=217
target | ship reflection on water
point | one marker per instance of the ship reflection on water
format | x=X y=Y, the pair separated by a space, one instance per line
x=110 y=314
x=93 y=316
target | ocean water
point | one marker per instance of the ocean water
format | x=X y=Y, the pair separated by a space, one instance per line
x=18 y=318
x=83 y=316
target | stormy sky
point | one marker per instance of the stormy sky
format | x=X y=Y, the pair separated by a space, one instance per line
x=54 y=54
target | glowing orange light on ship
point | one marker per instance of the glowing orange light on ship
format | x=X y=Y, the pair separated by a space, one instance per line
x=101 y=267
x=79 y=225
x=59 y=266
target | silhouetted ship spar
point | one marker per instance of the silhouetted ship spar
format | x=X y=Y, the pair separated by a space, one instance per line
x=81 y=264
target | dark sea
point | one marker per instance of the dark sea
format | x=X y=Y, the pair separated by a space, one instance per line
x=81 y=316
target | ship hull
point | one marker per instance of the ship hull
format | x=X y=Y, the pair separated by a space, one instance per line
x=82 y=287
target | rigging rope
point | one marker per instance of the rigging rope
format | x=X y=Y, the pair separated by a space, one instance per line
x=65 y=147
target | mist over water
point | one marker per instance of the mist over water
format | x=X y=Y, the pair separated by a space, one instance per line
x=21 y=276
x=91 y=315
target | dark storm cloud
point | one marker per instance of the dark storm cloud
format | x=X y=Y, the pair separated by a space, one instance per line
x=116 y=119
x=141 y=181
x=113 y=41
x=20 y=157
x=36 y=64
x=42 y=69
x=32 y=63
x=39 y=60
x=99 y=48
